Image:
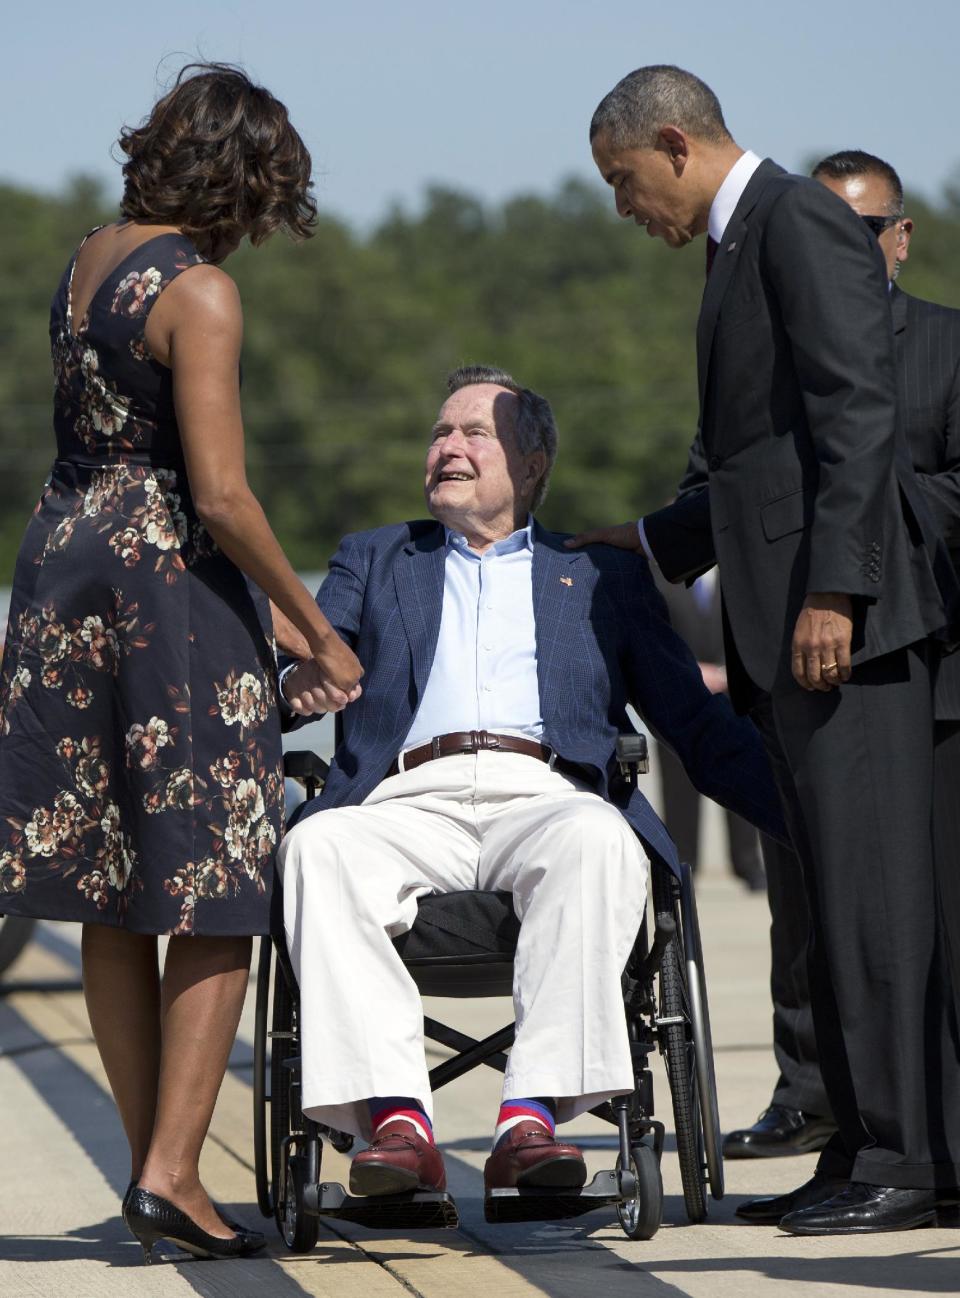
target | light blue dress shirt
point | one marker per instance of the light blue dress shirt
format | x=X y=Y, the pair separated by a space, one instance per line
x=484 y=673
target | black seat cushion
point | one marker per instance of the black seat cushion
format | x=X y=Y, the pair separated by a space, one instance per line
x=464 y=924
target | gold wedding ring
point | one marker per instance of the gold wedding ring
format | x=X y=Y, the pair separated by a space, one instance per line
x=828 y=667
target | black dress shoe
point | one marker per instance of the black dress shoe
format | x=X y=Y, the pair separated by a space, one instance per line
x=779 y=1131
x=861 y=1209
x=151 y=1218
x=770 y=1210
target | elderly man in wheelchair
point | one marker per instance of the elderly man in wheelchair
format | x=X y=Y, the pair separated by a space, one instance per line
x=480 y=754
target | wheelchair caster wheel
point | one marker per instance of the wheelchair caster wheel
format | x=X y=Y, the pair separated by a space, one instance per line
x=640 y=1216
x=342 y=1141
x=298 y=1230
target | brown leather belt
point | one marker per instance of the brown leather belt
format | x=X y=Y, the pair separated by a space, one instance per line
x=484 y=741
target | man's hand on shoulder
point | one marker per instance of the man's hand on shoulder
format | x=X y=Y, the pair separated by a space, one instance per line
x=625 y=536
x=821 y=642
x=309 y=694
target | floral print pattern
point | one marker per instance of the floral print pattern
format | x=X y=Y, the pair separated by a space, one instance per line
x=140 y=778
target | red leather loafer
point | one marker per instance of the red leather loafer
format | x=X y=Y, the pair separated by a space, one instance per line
x=398 y=1160
x=530 y=1156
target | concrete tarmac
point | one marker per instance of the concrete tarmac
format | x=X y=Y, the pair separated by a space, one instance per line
x=63 y=1170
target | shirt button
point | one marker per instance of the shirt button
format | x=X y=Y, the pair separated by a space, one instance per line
x=487 y=689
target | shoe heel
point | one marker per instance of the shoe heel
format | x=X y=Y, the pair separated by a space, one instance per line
x=147 y=1240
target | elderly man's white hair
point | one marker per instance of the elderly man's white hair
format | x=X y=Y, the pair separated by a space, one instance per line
x=536 y=429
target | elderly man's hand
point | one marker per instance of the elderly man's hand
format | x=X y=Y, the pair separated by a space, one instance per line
x=309 y=693
x=625 y=536
x=820 y=654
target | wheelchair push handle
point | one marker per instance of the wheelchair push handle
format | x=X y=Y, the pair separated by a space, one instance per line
x=633 y=757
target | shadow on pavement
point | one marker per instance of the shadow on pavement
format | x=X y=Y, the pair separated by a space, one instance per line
x=918 y=1271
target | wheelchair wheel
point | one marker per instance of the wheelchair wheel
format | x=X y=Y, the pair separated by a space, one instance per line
x=640 y=1217
x=298 y=1230
x=680 y=1053
x=260 y=1097
x=702 y=1039
x=282 y=1046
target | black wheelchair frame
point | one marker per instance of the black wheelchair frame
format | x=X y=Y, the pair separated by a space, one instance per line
x=665 y=1002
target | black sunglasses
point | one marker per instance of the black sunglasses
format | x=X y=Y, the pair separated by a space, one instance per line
x=879 y=223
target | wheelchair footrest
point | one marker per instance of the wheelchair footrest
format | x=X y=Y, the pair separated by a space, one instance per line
x=535 y=1203
x=419 y=1210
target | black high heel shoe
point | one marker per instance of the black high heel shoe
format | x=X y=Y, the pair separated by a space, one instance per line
x=237 y=1226
x=151 y=1218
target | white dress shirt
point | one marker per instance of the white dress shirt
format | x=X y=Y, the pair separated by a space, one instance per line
x=721 y=209
x=484 y=673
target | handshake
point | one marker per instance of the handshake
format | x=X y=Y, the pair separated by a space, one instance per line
x=320 y=682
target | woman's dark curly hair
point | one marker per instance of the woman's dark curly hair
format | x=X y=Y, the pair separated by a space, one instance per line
x=219 y=158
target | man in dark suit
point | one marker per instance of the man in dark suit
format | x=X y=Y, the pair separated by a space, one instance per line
x=927 y=338
x=481 y=754
x=834 y=581
x=695 y=616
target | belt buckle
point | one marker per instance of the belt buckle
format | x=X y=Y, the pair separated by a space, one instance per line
x=435 y=748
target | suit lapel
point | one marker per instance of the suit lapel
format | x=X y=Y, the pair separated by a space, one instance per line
x=724 y=265
x=560 y=591
x=418 y=581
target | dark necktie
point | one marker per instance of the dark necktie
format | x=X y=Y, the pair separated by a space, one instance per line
x=712 y=247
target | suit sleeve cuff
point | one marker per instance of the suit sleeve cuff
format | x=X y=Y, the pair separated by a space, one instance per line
x=285 y=708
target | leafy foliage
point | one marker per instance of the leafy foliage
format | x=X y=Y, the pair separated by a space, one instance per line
x=349 y=338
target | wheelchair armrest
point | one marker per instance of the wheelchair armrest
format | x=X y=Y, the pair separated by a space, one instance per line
x=632 y=755
x=307 y=769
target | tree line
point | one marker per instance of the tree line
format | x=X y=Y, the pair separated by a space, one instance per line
x=349 y=336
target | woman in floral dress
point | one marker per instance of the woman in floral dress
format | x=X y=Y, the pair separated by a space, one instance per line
x=140 y=776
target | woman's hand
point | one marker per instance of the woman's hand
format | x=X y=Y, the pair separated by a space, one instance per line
x=337 y=664
x=290 y=639
x=309 y=693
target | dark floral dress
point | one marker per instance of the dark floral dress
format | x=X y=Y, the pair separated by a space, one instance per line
x=140 y=767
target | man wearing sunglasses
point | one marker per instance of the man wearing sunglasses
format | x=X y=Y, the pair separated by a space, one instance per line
x=927 y=340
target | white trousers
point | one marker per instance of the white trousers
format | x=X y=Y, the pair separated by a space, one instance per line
x=494 y=821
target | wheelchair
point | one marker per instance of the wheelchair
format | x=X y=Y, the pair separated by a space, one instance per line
x=462 y=945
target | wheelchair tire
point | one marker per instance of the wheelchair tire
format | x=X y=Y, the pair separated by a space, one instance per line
x=261 y=1161
x=640 y=1217
x=15 y=933
x=703 y=1042
x=282 y=1047
x=680 y=1056
x=298 y=1231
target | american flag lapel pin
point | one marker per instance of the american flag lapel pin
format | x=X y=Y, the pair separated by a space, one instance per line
x=567 y=581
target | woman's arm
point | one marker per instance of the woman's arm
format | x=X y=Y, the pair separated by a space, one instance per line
x=197 y=329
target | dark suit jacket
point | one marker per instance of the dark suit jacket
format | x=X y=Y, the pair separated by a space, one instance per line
x=810 y=486
x=603 y=641
x=927 y=341
x=928 y=384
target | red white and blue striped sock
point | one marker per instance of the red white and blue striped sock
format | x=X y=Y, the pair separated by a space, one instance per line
x=399 y=1108
x=514 y=1111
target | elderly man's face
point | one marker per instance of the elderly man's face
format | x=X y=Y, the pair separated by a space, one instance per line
x=871 y=195
x=475 y=473
x=652 y=187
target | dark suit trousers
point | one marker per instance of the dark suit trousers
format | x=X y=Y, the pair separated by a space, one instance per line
x=800 y=1085
x=946 y=839
x=855 y=770
x=681 y=815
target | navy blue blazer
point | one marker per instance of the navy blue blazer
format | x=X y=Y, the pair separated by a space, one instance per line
x=603 y=640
